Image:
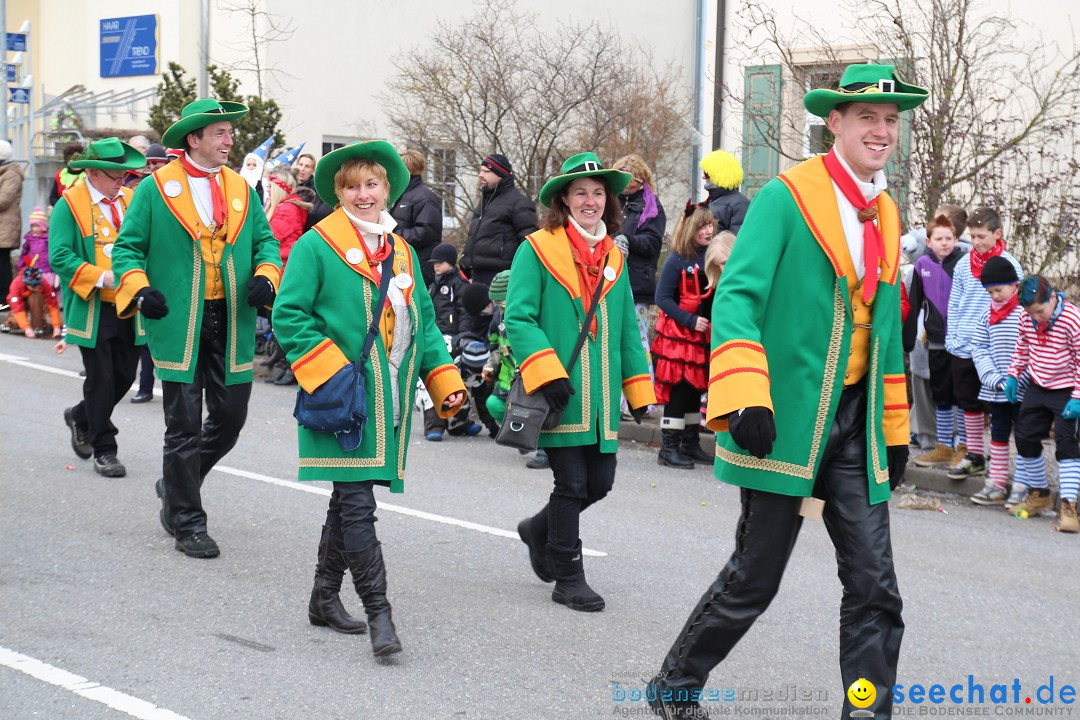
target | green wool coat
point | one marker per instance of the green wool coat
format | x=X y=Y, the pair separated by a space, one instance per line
x=544 y=316
x=159 y=246
x=321 y=317
x=782 y=331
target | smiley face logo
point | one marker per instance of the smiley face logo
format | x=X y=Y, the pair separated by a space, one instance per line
x=862 y=693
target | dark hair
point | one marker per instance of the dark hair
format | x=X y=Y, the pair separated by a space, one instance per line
x=71 y=150
x=985 y=217
x=198 y=132
x=557 y=215
x=957 y=216
x=842 y=108
x=1034 y=289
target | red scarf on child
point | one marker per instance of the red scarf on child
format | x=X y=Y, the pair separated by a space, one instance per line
x=1000 y=311
x=979 y=259
x=873 y=242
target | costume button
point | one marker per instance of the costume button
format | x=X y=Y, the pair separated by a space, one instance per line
x=847 y=376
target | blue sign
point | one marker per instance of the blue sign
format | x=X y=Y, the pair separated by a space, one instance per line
x=129 y=46
x=16 y=42
x=11 y=70
x=19 y=95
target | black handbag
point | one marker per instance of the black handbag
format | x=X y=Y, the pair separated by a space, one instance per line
x=527 y=415
x=339 y=405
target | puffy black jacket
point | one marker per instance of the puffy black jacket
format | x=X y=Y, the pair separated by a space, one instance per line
x=644 y=243
x=502 y=221
x=445 y=294
x=728 y=207
x=319 y=210
x=419 y=216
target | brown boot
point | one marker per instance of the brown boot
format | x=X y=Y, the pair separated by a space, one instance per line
x=325 y=608
x=940 y=455
x=1067 y=522
x=1038 y=500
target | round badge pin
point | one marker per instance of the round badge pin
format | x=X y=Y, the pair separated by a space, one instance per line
x=609 y=274
x=444 y=290
x=107 y=250
x=354 y=256
x=173 y=188
x=104 y=232
x=403 y=281
x=237 y=205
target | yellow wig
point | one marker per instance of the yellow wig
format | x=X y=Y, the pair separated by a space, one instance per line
x=723 y=169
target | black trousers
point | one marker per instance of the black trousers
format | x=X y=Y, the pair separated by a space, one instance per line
x=110 y=371
x=965 y=385
x=583 y=477
x=871 y=627
x=193 y=447
x=1040 y=411
x=685 y=399
x=352 y=510
x=146 y=371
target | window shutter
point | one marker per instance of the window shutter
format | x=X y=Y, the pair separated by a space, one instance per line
x=761 y=127
x=897 y=170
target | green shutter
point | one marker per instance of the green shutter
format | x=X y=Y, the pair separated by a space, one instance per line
x=897 y=170
x=761 y=127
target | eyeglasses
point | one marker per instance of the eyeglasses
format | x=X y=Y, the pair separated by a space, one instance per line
x=114 y=179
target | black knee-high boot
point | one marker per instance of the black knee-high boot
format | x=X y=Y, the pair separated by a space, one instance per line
x=325 y=608
x=691 y=440
x=369 y=577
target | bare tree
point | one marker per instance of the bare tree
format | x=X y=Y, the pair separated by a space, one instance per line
x=260 y=29
x=496 y=82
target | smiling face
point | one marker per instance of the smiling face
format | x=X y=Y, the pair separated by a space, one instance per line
x=212 y=149
x=704 y=234
x=366 y=196
x=586 y=198
x=862 y=693
x=866 y=135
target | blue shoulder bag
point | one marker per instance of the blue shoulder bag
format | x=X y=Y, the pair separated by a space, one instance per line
x=339 y=405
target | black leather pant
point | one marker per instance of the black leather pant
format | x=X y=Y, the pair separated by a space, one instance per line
x=110 y=370
x=352 y=511
x=192 y=448
x=871 y=626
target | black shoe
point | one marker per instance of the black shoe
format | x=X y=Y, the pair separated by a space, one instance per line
x=163 y=514
x=141 y=397
x=79 y=442
x=691 y=445
x=539 y=461
x=571 y=589
x=325 y=608
x=670 y=455
x=287 y=377
x=369 y=577
x=537 y=544
x=108 y=466
x=198 y=545
x=672 y=709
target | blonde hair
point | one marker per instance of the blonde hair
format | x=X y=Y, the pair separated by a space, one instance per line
x=274 y=193
x=719 y=250
x=355 y=171
x=414 y=161
x=682 y=243
x=637 y=168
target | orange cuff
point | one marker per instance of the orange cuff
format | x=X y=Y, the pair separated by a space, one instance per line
x=84 y=282
x=319 y=365
x=540 y=368
x=738 y=378
x=894 y=418
x=21 y=320
x=271 y=272
x=639 y=391
x=441 y=383
x=54 y=317
x=131 y=282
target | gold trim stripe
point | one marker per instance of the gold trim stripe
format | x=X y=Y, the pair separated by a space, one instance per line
x=193 y=314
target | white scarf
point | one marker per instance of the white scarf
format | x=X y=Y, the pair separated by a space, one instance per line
x=591 y=240
x=373 y=232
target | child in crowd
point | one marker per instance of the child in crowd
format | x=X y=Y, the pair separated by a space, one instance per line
x=681 y=347
x=967 y=302
x=471 y=348
x=913 y=244
x=1048 y=349
x=35 y=248
x=931 y=283
x=29 y=296
x=447 y=288
x=994 y=343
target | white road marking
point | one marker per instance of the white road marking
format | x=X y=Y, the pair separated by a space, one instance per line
x=23 y=362
x=423 y=515
x=88 y=689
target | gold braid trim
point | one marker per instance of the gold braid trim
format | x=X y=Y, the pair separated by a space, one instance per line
x=193 y=314
x=880 y=476
x=586 y=395
x=605 y=373
x=230 y=270
x=91 y=310
x=410 y=391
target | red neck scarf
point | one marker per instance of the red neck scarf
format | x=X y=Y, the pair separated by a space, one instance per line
x=216 y=195
x=588 y=262
x=979 y=259
x=873 y=242
x=113 y=211
x=999 y=312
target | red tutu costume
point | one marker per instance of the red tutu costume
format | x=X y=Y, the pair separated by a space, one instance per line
x=680 y=352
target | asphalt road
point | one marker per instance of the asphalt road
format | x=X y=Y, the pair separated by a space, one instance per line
x=90 y=584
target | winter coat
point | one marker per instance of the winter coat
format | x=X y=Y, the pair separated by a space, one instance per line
x=419 y=220
x=287 y=224
x=502 y=221
x=445 y=294
x=35 y=245
x=11 y=187
x=644 y=243
x=931 y=283
x=728 y=208
x=319 y=210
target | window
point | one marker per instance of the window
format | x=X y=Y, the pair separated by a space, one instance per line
x=333 y=142
x=442 y=171
x=817 y=139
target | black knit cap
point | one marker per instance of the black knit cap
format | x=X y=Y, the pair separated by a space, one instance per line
x=475 y=298
x=444 y=252
x=498 y=164
x=998 y=271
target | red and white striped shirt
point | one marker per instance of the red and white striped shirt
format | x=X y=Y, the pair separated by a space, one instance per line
x=1053 y=357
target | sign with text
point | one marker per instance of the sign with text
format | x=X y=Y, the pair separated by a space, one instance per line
x=129 y=46
x=19 y=95
x=16 y=42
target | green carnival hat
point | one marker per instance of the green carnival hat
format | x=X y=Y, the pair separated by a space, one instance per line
x=582 y=165
x=109 y=154
x=866 y=83
x=199 y=114
x=378 y=151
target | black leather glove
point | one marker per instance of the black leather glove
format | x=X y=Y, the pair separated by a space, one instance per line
x=639 y=413
x=557 y=393
x=151 y=303
x=753 y=430
x=260 y=291
x=898 y=457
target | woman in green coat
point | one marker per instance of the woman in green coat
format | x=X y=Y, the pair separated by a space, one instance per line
x=555 y=276
x=321 y=317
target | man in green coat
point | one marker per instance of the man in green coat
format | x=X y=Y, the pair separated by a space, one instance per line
x=82 y=233
x=807 y=394
x=195 y=259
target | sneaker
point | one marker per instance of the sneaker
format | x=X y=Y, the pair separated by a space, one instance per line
x=1016 y=496
x=991 y=494
x=958 y=455
x=539 y=461
x=198 y=545
x=108 y=466
x=434 y=436
x=1067 y=522
x=970 y=466
x=79 y=442
x=141 y=397
x=1037 y=501
x=940 y=455
x=474 y=429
